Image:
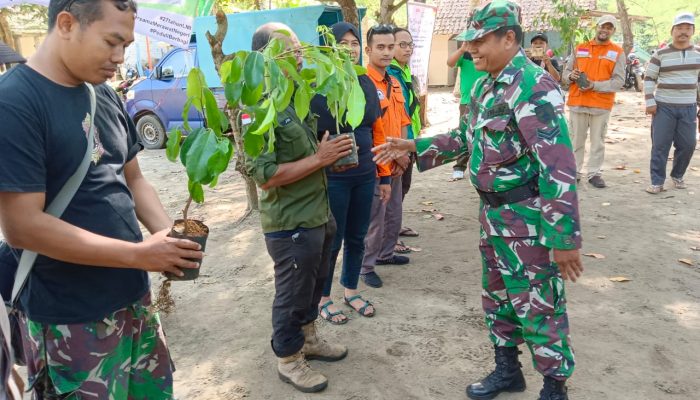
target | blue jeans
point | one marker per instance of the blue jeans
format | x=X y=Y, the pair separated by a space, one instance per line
x=672 y=125
x=351 y=204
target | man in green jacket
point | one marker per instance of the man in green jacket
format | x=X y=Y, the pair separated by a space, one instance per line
x=401 y=70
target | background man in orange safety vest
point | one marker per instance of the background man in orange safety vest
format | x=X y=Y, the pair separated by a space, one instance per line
x=596 y=70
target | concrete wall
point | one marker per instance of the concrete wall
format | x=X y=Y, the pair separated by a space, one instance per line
x=439 y=73
x=28 y=43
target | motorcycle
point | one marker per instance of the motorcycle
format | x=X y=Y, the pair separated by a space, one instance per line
x=123 y=87
x=634 y=73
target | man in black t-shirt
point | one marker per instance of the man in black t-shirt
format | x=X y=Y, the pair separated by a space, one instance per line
x=89 y=331
x=539 y=46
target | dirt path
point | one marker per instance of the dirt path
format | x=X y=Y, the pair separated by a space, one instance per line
x=634 y=340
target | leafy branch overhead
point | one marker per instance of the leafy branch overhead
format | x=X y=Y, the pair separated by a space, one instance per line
x=262 y=84
x=567 y=18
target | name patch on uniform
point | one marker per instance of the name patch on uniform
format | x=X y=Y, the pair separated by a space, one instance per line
x=286 y=121
x=497 y=110
x=611 y=55
x=583 y=53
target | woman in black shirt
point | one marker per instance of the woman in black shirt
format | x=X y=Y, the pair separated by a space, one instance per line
x=351 y=191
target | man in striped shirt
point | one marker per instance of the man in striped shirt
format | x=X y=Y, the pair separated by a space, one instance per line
x=672 y=92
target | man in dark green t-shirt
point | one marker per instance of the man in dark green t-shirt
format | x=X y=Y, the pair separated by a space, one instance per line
x=468 y=75
x=299 y=231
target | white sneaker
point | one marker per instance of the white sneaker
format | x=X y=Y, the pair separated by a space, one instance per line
x=457 y=174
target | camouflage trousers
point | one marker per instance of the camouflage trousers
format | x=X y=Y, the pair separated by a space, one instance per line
x=122 y=357
x=524 y=301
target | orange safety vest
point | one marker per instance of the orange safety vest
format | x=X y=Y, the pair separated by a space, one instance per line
x=598 y=62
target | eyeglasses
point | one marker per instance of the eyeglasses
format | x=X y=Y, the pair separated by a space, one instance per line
x=407 y=45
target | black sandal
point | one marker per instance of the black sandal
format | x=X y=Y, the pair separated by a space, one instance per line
x=329 y=315
x=362 y=309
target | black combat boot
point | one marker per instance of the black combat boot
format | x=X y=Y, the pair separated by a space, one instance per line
x=553 y=390
x=507 y=377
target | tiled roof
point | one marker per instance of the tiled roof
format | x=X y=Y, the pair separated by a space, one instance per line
x=452 y=15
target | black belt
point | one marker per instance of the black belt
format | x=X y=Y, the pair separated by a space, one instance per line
x=520 y=193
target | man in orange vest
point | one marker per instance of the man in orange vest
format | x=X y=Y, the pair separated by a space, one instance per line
x=596 y=70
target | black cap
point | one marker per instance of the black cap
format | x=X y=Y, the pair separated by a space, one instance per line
x=539 y=35
x=341 y=28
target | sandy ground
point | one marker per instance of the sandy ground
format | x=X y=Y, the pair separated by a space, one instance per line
x=634 y=340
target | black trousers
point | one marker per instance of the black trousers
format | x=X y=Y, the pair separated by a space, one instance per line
x=301 y=268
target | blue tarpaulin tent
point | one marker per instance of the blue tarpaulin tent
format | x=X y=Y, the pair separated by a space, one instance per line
x=9 y=56
x=241 y=26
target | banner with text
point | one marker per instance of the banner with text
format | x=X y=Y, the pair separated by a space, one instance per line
x=170 y=21
x=421 y=22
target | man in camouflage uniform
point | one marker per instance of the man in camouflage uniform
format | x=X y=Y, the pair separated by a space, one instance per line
x=524 y=170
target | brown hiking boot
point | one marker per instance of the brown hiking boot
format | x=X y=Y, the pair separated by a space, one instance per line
x=316 y=348
x=297 y=371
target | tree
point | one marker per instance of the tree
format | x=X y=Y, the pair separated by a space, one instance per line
x=216 y=42
x=387 y=9
x=233 y=5
x=24 y=14
x=645 y=36
x=566 y=17
x=627 y=35
x=260 y=83
x=649 y=34
x=5 y=33
x=349 y=10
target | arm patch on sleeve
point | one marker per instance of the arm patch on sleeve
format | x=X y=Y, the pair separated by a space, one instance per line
x=545 y=113
x=548 y=134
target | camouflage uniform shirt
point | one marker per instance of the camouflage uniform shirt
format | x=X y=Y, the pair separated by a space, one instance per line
x=516 y=131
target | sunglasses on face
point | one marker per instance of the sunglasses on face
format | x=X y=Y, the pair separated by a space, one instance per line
x=381 y=29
